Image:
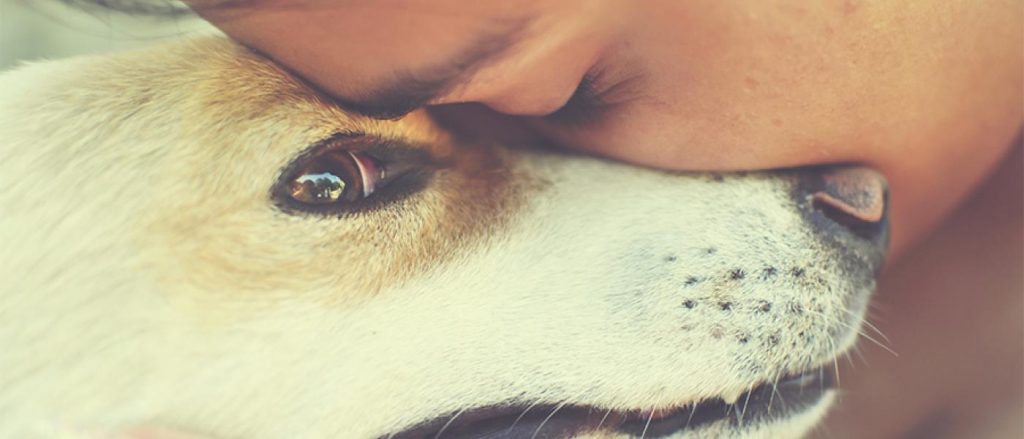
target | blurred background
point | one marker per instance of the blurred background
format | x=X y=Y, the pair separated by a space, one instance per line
x=952 y=309
x=41 y=29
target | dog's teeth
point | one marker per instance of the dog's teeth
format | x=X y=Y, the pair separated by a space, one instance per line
x=731 y=398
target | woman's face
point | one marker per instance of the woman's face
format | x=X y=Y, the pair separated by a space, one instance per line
x=928 y=92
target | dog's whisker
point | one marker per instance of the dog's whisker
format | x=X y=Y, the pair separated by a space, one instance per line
x=650 y=418
x=859 y=333
x=864 y=359
x=878 y=343
x=848 y=357
x=867 y=323
x=835 y=361
x=746 y=402
x=521 y=415
x=548 y=418
x=603 y=418
x=693 y=409
x=775 y=390
x=448 y=424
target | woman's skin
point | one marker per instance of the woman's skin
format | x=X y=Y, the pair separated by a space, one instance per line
x=928 y=92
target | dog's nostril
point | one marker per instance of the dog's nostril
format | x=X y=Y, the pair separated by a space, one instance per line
x=854 y=197
x=847 y=208
x=855 y=192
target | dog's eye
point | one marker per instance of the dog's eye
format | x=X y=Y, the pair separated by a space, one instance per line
x=349 y=173
x=336 y=176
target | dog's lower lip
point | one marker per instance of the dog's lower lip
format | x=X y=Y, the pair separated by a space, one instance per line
x=789 y=395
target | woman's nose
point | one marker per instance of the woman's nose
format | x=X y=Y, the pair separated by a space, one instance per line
x=537 y=79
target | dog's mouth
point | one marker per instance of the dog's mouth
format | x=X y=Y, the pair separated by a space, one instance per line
x=788 y=396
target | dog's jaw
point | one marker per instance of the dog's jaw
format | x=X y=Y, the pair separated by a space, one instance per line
x=155 y=281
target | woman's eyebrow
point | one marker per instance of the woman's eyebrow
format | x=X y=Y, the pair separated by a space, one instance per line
x=408 y=90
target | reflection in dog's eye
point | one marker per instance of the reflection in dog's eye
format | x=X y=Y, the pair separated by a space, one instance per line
x=318 y=188
x=334 y=177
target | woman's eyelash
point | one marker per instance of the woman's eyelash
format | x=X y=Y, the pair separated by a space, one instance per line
x=583 y=105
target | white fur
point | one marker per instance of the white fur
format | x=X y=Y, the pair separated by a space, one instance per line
x=576 y=300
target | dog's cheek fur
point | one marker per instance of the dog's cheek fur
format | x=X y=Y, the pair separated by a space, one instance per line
x=238 y=126
x=234 y=252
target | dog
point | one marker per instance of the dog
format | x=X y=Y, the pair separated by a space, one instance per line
x=196 y=240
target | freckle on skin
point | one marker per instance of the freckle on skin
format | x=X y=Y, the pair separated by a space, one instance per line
x=752 y=83
x=850 y=7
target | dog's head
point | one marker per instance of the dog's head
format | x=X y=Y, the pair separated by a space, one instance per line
x=197 y=240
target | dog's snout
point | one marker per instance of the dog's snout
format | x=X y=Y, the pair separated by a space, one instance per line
x=849 y=203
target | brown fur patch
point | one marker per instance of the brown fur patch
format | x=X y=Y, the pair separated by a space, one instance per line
x=241 y=121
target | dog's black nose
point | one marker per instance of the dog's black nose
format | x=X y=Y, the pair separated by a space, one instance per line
x=848 y=205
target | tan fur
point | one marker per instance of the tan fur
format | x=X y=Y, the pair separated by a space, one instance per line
x=418 y=237
x=151 y=279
